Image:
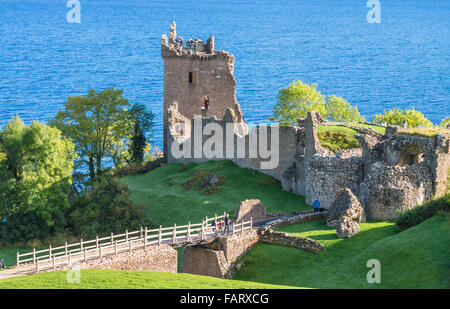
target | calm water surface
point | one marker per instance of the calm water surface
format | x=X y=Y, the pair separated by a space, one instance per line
x=402 y=62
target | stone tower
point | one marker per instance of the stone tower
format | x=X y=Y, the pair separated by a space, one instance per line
x=193 y=70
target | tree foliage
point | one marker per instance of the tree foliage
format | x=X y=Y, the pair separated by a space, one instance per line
x=339 y=110
x=99 y=124
x=106 y=208
x=295 y=101
x=445 y=122
x=143 y=122
x=397 y=116
x=35 y=178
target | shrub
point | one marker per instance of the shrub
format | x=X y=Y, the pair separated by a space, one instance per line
x=105 y=209
x=396 y=116
x=423 y=212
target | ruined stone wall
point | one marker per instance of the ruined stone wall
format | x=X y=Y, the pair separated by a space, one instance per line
x=327 y=176
x=154 y=258
x=284 y=239
x=388 y=190
x=218 y=258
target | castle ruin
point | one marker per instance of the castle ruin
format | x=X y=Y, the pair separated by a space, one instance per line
x=389 y=173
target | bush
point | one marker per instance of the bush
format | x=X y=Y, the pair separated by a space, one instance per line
x=423 y=212
x=396 y=116
x=105 y=209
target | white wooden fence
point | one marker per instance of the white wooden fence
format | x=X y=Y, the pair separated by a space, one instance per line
x=68 y=254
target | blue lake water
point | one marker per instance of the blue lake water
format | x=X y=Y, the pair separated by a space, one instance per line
x=401 y=62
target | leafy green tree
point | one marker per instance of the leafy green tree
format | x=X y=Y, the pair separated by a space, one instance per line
x=295 y=101
x=445 y=122
x=35 y=177
x=106 y=208
x=397 y=116
x=339 y=110
x=143 y=122
x=99 y=125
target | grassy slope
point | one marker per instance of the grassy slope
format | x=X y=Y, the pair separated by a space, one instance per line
x=168 y=202
x=9 y=256
x=122 y=279
x=415 y=258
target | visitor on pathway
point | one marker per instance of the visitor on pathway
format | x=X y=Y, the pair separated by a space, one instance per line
x=227 y=224
x=213 y=224
x=220 y=226
x=2 y=264
x=206 y=102
x=316 y=205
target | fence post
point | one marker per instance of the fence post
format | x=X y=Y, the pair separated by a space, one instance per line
x=54 y=261
x=18 y=258
x=65 y=247
x=203 y=230
x=174 y=235
x=145 y=238
x=100 y=251
x=69 y=260
x=85 y=254
x=115 y=248
x=34 y=255
x=141 y=232
x=126 y=235
x=131 y=244
x=37 y=266
x=49 y=251
x=112 y=238
x=189 y=231
x=159 y=235
x=81 y=244
x=234 y=227
x=96 y=241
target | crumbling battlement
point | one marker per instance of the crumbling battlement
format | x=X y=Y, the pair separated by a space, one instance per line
x=194 y=72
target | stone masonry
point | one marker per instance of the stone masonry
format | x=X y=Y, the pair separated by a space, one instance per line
x=389 y=173
x=154 y=258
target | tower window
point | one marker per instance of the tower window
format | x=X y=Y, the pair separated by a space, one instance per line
x=192 y=77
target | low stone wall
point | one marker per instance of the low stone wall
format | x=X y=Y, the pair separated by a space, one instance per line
x=153 y=258
x=218 y=258
x=284 y=239
x=293 y=219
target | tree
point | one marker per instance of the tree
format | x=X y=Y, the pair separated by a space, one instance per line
x=35 y=178
x=106 y=208
x=295 y=101
x=143 y=122
x=98 y=123
x=339 y=110
x=397 y=116
x=445 y=123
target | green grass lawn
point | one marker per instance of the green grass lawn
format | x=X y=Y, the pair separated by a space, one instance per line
x=337 y=137
x=163 y=191
x=9 y=256
x=415 y=258
x=379 y=129
x=122 y=279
